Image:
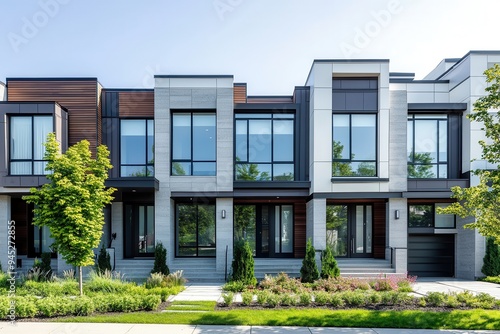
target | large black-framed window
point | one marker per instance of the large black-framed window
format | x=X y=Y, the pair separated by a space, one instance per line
x=27 y=137
x=195 y=230
x=264 y=147
x=427 y=146
x=194 y=143
x=136 y=147
x=354 y=147
x=424 y=215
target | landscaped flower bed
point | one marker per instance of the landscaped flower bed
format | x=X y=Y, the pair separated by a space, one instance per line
x=389 y=292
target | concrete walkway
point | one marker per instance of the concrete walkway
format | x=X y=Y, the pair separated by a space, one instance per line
x=85 y=328
x=199 y=291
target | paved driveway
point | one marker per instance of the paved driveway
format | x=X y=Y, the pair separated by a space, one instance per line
x=426 y=285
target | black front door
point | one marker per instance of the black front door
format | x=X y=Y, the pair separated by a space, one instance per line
x=139 y=230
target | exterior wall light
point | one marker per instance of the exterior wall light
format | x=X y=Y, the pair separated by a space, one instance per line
x=396 y=214
x=223 y=214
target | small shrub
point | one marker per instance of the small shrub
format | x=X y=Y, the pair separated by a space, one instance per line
x=262 y=297
x=83 y=306
x=321 y=297
x=491 y=260
x=465 y=297
x=273 y=300
x=54 y=306
x=329 y=266
x=435 y=298
x=234 y=286
x=25 y=307
x=354 y=298
x=243 y=264
x=150 y=302
x=389 y=297
x=160 y=264
x=228 y=298
x=282 y=283
x=288 y=299
x=374 y=298
x=110 y=282
x=305 y=298
x=155 y=280
x=103 y=260
x=175 y=279
x=309 y=271
x=336 y=300
x=451 y=301
x=422 y=302
x=246 y=298
x=69 y=275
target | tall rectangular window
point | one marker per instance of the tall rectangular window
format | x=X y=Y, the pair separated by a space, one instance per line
x=264 y=149
x=27 y=137
x=194 y=142
x=354 y=145
x=195 y=225
x=136 y=147
x=427 y=146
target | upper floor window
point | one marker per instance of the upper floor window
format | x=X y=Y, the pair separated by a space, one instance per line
x=427 y=146
x=194 y=143
x=264 y=148
x=424 y=215
x=27 y=137
x=355 y=94
x=354 y=145
x=136 y=147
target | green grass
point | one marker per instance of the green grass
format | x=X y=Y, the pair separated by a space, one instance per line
x=470 y=319
x=192 y=306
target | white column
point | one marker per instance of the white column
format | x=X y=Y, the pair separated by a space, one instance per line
x=316 y=225
x=117 y=227
x=224 y=234
x=398 y=234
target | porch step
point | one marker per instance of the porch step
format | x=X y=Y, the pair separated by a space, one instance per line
x=273 y=267
x=365 y=268
x=134 y=269
x=197 y=270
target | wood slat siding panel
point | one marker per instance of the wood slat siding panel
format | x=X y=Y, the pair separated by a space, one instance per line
x=79 y=97
x=379 y=224
x=136 y=104
x=240 y=94
x=299 y=242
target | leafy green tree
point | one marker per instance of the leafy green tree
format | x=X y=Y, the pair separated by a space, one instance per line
x=483 y=200
x=243 y=264
x=309 y=271
x=421 y=167
x=329 y=266
x=103 y=260
x=491 y=260
x=160 y=264
x=71 y=203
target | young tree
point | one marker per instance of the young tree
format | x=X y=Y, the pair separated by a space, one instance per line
x=160 y=264
x=72 y=203
x=329 y=266
x=491 y=260
x=243 y=264
x=483 y=200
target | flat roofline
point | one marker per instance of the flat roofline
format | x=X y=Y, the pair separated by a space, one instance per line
x=193 y=76
x=460 y=60
x=240 y=84
x=401 y=74
x=129 y=89
x=34 y=102
x=437 y=106
x=270 y=96
x=52 y=79
x=396 y=80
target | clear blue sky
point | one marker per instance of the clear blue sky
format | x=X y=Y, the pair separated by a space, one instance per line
x=270 y=44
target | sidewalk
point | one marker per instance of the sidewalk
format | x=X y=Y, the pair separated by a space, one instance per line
x=85 y=328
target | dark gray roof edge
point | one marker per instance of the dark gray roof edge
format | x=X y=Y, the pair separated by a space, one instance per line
x=265 y=106
x=369 y=60
x=401 y=74
x=34 y=102
x=52 y=79
x=417 y=81
x=460 y=60
x=240 y=84
x=437 y=106
x=270 y=96
x=128 y=89
x=194 y=76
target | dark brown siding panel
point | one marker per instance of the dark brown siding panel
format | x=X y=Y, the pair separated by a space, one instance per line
x=78 y=96
x=240 y=94
x=299 y=243
x=379 y=230
x=136 y=104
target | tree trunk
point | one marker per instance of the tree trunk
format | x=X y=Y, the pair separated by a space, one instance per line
x=80 y=280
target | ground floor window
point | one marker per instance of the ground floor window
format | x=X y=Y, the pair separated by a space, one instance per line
x=349 y=229
x=425 y=215
x=139 y=230
x=269 y=229
x=195 y=230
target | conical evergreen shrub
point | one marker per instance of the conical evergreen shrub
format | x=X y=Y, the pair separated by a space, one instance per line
x=160 y=264
x=491 y=260
x=243 y=264
x=309 y=271
x=329 y=266
x=103 y=261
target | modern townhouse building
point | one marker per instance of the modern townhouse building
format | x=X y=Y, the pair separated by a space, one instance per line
x=357 y=159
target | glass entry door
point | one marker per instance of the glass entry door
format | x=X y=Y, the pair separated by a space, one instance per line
x=267 y=228
x=349 y=230
x=139 y=230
